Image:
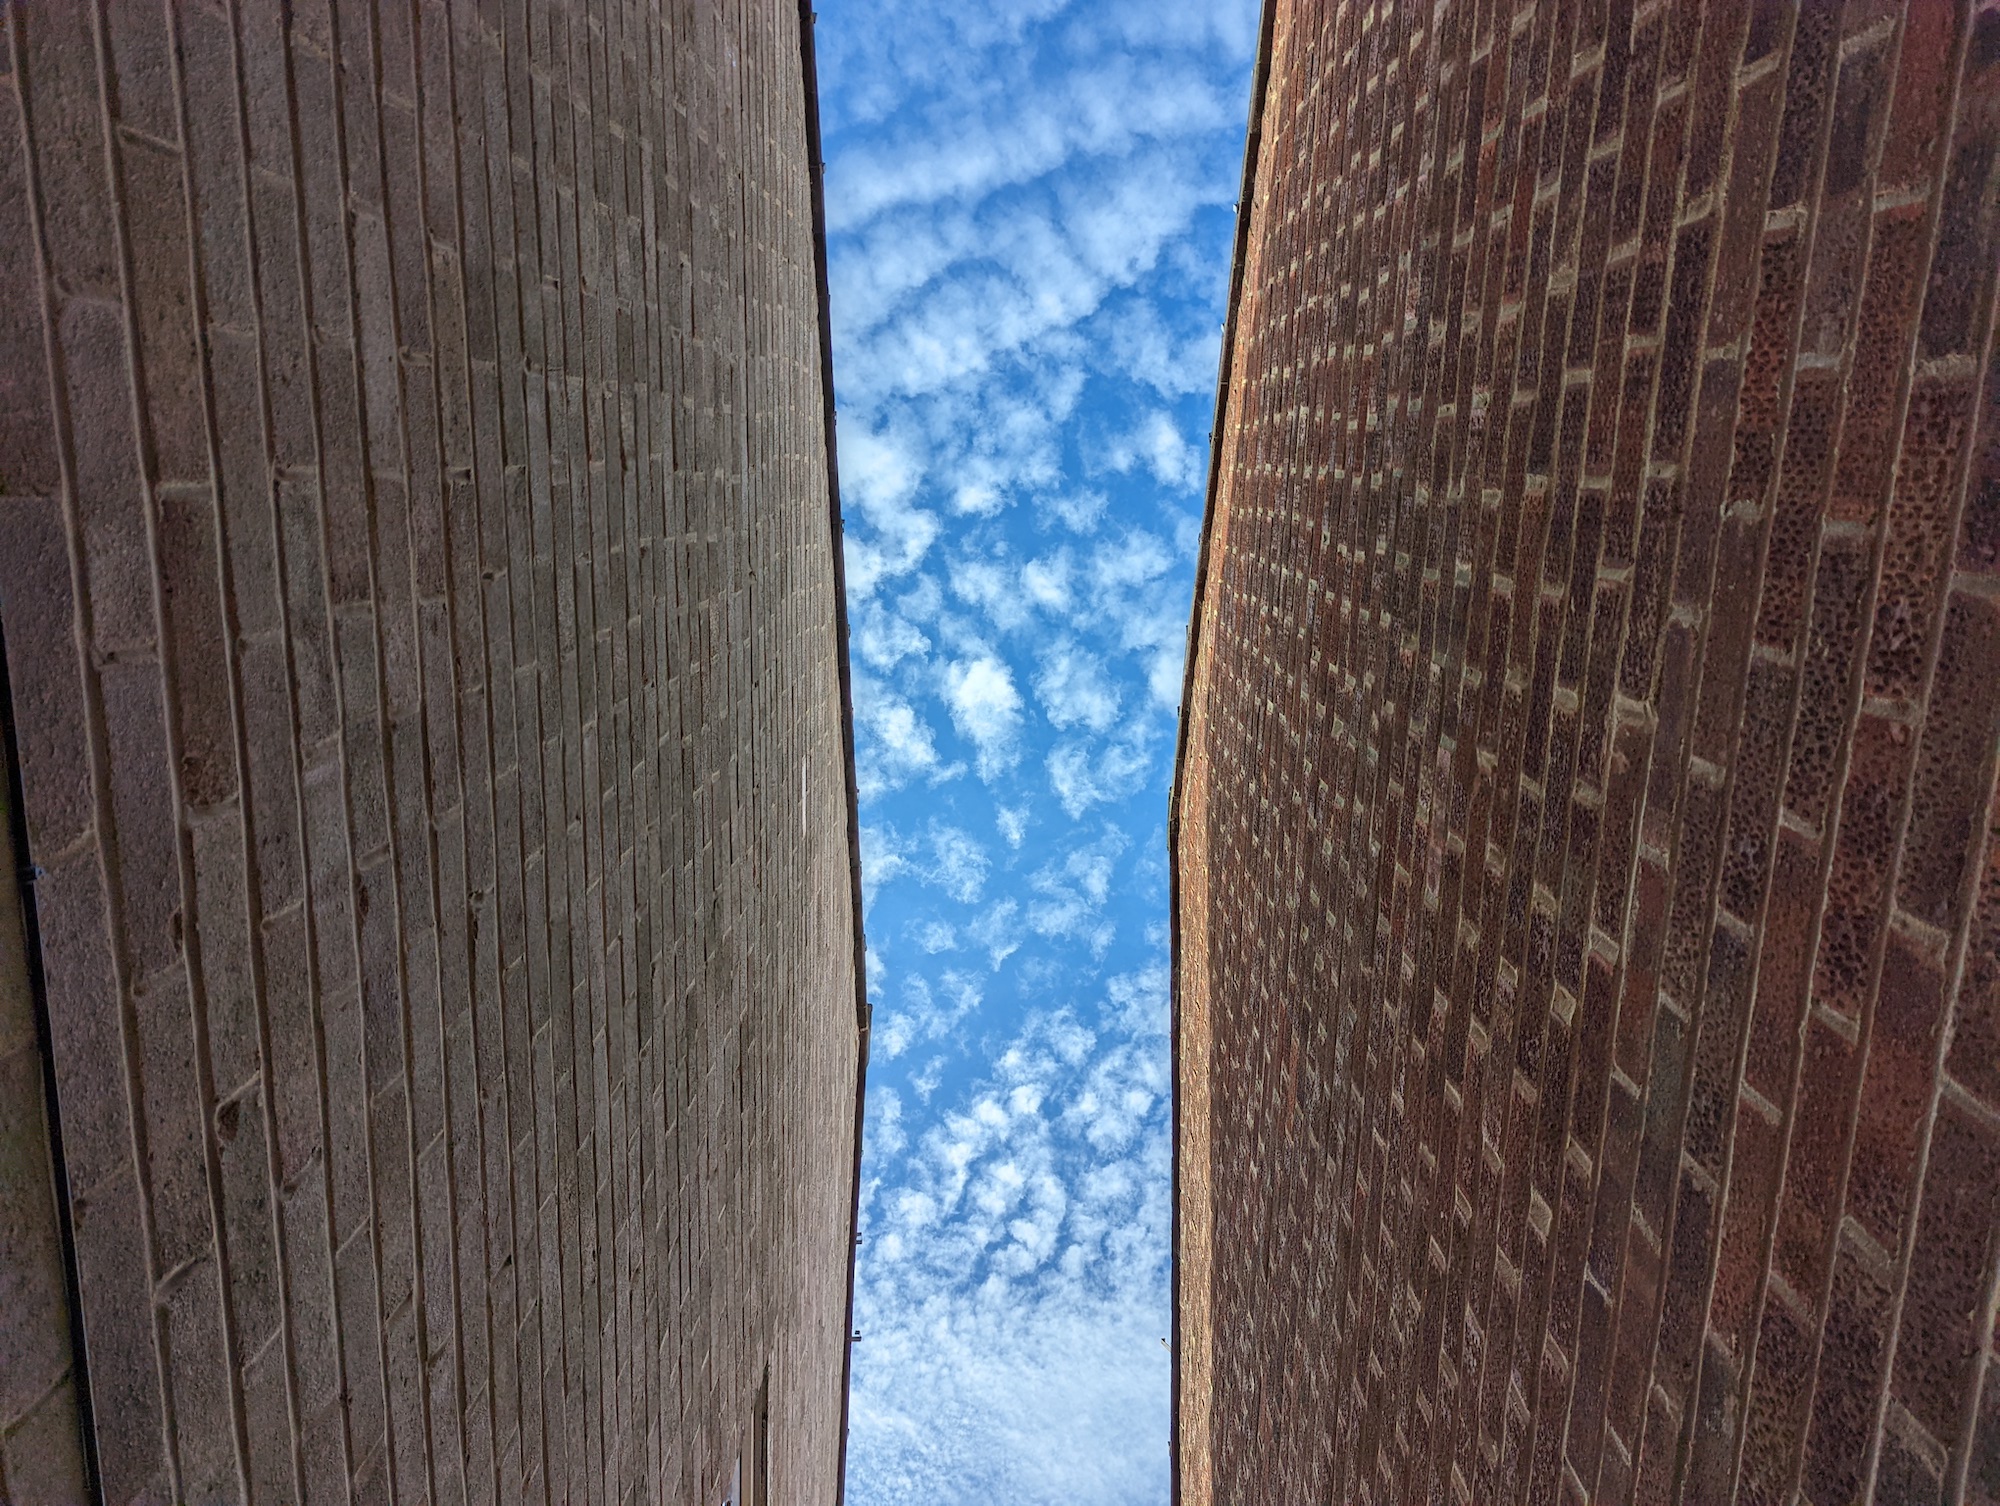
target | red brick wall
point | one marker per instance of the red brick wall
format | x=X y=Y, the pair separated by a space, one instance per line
x=1590 y=897
x=421 y=615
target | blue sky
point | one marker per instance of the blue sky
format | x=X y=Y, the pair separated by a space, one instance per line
x=1030 y=212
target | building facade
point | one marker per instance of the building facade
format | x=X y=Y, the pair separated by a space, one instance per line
x=1587 y=887
x=430 y=1021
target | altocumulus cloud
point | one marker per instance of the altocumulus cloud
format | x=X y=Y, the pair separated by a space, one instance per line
x=1029 y=208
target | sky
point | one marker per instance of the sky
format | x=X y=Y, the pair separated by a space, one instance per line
x=1030 y=212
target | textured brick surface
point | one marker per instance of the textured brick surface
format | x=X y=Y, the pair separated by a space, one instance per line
x=417 y=574
x=1589 y=890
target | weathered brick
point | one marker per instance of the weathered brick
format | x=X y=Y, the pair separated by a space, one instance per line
x=109 y=488
x=34 y=1334
x=1951 y=1264
x=391 y=1171
x=1852 y=1355
x=191 y=602
x=59 y=88
x=27 y=433
x=1896 y=1090
x=156 y=218
x=115 y=1284
x=1752 y=600
x=50 y=724
x=1955 y=763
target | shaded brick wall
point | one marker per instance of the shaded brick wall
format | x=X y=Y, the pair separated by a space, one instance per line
x=420 y=608
x=1589 y=918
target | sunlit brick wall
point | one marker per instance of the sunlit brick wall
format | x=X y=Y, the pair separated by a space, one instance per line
x=1589 y=974
x=419 y=604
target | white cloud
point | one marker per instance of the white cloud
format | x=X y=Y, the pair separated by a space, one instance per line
x=1165 y=673
x=1070 y=895
x=1124 y=564
x=1047 y=582
x=885 y=1123
x=1074 y=689
x=1079 y=511
x=1030 y=232
x=1106 y=111
x=884 y=855
x=998 y=931
x=1155 y=444
x=883 y=638
x=893 y=743
x=926 y=1011
x=1013 y=1294
x=1081 y=780
x=936 y=936
x=991 y=584
x=1012 y=821
x=1176 y=360
x=985 y=707
x=880 y=475
x=960 y=863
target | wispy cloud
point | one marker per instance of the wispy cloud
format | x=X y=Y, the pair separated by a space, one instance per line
x=1029 y=212
x=894 y=744
x=1014 y=1301
x=985 y=707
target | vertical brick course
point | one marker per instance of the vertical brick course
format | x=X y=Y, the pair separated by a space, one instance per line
x=1585 y=828
x=421 y=616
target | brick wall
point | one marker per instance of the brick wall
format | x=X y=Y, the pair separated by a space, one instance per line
x=1589 y=889
x=421 y=615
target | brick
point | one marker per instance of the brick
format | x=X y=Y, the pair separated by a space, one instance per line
x=268 y=1427
x=110 y=491
x=1852 y=1354
x=1751 y=1200
x=1896 y=1089
x=1951 y=1265
x=1859 y=105
x=1774 y=1417
x=1917 y=549
x=1919 y=123
x=248 y=1218
x=215 y=166
x=28 y=435
x=1884 y=332
x=1954 y=772
x=44 y=675
x=191 y=603
x=1831 y=654
x=282 y=327
x=1784 y=968
x=276 y=864
x=204 y=1434
x=41 y=1458
x=116 y=1291
x=34 y=1337
x=322 y=597
x=156 y=218
x=142 y=66
x=1810 y=1208
x=84 y=1018
x=1809 y=73
x=59 y=90
x=1864 y=853
x=1809 y=435
x=176 y=1172
x=1974 y=1058
x=143 y=810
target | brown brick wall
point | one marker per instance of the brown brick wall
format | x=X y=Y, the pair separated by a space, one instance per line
x=420 y=607
x=1589 y=921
